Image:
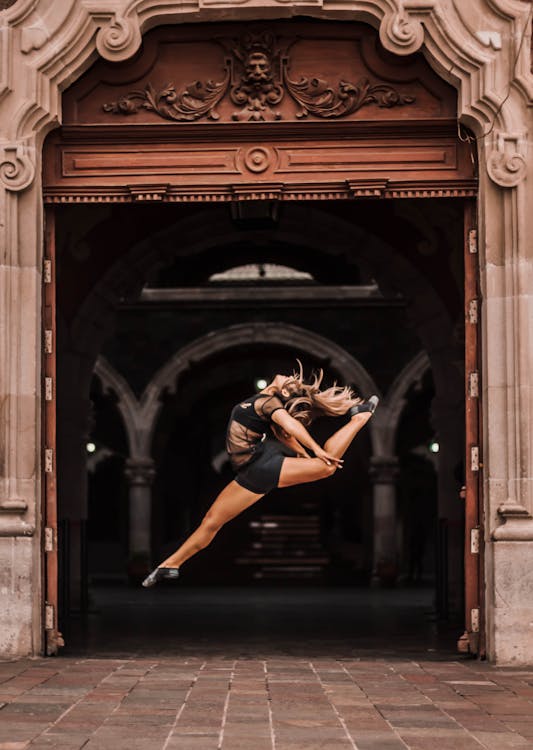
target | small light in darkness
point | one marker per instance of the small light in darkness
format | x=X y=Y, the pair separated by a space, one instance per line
x=434 y=447
x=91 y=447
x=260 y=383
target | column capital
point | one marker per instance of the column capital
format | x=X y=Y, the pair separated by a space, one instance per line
x=384 y=469
x=140 y=472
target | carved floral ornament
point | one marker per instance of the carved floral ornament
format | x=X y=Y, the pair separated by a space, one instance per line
x=257 y=78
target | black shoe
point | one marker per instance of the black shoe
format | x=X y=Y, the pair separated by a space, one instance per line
x=367 y=406
x=160 y=574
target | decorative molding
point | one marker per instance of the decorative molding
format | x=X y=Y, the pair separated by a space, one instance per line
x=197 y=100
x=17 y=166
x=506 y=165
x=119 y=37
x=13 y=505
x=490 y=39
x=257 y=77
x=257 y=159
x=400 y=32
x=517 y=524
x=317 y=97
x=33 y=37
x=346 y=190
x=15 y=527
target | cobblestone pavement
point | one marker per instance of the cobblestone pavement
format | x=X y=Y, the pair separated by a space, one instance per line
x=278 y=703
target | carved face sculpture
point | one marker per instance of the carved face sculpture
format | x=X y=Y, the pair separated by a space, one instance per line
x=257 y=68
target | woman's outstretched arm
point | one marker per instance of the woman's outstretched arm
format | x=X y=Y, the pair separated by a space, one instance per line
x=298 y=431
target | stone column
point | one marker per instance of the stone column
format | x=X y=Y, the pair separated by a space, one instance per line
x=383 y=473
x=140 y=473
x=507 y=388
x=21 y=590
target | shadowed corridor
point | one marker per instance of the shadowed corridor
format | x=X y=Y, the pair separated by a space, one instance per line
x=238 y=622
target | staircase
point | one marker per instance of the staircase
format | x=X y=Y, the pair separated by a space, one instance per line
x=285 y=547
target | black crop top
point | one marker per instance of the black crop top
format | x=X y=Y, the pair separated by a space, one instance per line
x=248 y=426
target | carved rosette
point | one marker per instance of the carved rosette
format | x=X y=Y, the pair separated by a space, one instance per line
x=257 y=77
x=506 y=165
x=258 y=159
x=17 y=167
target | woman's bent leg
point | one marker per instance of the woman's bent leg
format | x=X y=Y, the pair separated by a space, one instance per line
x=230 y=502
x=301 y=470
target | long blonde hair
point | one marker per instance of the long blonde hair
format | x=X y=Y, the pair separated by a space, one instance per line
x=306 y=401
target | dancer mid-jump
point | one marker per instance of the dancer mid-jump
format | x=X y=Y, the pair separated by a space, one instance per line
x=267 y=443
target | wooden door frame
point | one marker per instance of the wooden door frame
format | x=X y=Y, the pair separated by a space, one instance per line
x=53 y=639
x=473 y=639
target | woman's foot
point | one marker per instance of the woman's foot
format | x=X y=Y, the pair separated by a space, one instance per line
x=367 y=406
x=160 y=574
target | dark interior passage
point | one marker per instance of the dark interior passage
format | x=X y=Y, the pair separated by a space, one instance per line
x=372 y=284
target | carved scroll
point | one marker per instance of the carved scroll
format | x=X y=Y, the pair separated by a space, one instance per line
x=318 y=98
x=506 y=164
x=197 y=100
x=17 y=166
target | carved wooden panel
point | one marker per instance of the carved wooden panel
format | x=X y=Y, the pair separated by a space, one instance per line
x=285 y=109
x=287 y=166
x=269 y=72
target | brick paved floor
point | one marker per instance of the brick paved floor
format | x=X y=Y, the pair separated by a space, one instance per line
x=263 y=704
x=256 y=669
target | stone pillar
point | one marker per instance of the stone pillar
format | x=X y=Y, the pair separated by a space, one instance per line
x=507 y=387
x=383 y=473
x=21 y=591
x=140 y=473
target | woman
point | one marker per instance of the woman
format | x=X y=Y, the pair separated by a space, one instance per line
x=268 y=443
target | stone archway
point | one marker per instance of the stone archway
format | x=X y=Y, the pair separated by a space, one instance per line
x=304 y=227
x=141 y=415
x=330 y=236
x=51 y=44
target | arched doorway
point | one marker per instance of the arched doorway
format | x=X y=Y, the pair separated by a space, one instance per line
x=395 y=242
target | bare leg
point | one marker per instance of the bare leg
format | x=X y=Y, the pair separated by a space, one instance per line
x=340 y=441
x=301 y=470
x=230 y=502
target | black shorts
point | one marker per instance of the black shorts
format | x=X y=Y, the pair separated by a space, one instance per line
x=261 y=474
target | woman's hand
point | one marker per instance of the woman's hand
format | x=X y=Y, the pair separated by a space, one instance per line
x=328 y=459
x=298 y=431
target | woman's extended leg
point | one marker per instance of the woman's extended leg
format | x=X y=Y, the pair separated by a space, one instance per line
x=301 y=470
x=230 y=502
